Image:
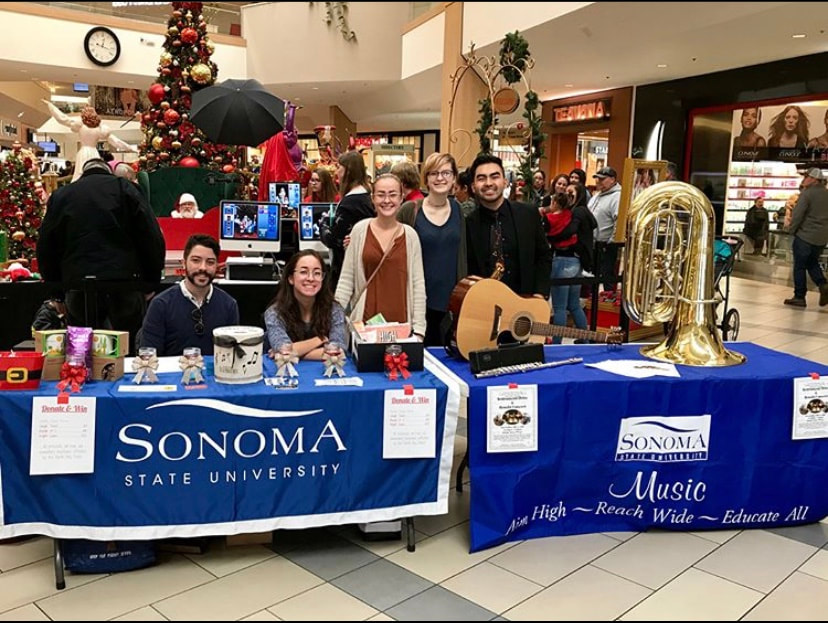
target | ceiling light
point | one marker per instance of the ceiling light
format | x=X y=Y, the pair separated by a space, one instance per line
x=314 y=88
x=24 y=71
x=569 y=86
x=661 y=65
x=20 y=114
x=798 y=36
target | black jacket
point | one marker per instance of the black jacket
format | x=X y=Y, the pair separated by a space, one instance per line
x=351 y=210
x=534 y=255
x=100 y=225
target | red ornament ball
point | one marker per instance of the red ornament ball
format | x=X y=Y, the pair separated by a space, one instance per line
x=228 y=168
x=189 y=35
x=156 y=93
x=171 y=117
x=188 y=161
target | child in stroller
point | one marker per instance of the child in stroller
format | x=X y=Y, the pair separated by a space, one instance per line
x=725 y=251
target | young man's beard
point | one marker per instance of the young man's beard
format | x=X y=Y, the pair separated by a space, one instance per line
x=192 y=275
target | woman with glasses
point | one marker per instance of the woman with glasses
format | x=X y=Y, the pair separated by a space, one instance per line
x=441 y=228
x=304 y=312
x=383 y=268
x=321 y=188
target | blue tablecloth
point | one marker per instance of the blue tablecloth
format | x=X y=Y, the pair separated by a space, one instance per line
x=225 y=459
x=593 y=472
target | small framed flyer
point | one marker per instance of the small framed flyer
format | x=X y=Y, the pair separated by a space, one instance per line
x=512 y=418
x=810 y=408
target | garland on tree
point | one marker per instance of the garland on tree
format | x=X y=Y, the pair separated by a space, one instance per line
x=170 y=139
x=22 y=202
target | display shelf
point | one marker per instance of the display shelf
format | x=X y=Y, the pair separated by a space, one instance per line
x=775 y=181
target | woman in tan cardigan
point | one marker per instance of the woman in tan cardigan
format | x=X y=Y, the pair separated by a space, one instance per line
x=383 y=267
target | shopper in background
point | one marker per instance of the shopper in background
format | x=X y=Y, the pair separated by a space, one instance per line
x=463 y=192
x=304 y=312
x=604 y=207
x=101 y=226
x=354 y=206
x=749 y=138
x=671 y=173
x=789 y=129
x=441 y=228
x=410 y=177
x=578 y=176
x=809 y=227
x=757 y=223
x=539 y=191
x=321 y=188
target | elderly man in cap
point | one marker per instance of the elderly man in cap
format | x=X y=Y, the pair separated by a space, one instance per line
x=809 y=227
x=102 y=227
x=604 y=206
x=187 y=207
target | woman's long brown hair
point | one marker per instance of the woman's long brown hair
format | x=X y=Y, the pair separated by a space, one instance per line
x=288 y=307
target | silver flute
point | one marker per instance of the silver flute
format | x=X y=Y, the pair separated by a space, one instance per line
x=526 y=367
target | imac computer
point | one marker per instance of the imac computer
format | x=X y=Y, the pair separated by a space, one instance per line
x=251 y=227
x=310 y=217
x=286 y=194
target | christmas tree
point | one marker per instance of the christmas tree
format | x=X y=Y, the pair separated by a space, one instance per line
x=22 y=202
x=170 y=139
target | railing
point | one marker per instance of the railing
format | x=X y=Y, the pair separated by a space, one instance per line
x=221 y=17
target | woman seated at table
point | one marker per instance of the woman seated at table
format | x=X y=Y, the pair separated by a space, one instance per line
x=304 y=312
x=383 y=267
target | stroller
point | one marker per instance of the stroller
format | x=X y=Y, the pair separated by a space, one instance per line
x=725 y=251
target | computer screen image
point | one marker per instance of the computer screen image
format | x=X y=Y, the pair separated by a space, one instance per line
x=286 y=194
x=311 y=216
x=250 y=226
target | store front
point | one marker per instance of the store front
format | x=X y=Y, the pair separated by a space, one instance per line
x=739 y=136
x=587 y=132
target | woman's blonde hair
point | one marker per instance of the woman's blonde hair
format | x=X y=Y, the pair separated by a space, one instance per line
x=435 y=161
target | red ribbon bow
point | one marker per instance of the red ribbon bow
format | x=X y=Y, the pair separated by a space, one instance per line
x=397 y=364
x=72 y=377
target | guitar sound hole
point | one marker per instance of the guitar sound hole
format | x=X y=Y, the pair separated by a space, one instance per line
x=522 y=327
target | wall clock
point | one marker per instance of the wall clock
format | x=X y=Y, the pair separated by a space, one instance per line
x=102 y=46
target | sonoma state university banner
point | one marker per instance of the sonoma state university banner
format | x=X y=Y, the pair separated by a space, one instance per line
x=225 y=460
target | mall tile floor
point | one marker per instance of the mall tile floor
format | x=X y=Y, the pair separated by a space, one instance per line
x=331 y=574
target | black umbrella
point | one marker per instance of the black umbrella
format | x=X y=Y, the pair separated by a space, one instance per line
x=238 y=112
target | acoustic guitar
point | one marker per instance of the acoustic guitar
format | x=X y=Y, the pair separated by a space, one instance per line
x=487 y=312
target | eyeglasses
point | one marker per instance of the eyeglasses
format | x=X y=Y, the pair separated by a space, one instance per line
x=304 y=273
x=389 y=196
x=446 y=175
x=198 y=318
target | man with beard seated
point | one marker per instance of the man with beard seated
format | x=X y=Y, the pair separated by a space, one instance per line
x=185 y=315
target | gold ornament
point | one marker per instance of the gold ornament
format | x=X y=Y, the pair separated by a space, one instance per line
x=19 y=236
x=166 y=59
x=157 y=141
x=201 y=73
x=175 y=145
x=173 y=31
x=210 y=47
x=164 y=105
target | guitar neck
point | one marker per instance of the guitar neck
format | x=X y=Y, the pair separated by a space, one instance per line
x=555 y=330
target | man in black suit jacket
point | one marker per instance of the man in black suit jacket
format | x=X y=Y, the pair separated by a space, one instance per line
x=507 y=234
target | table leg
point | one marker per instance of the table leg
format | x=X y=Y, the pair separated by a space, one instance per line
x=60 y=581
x=409 y=533
x=464 y=463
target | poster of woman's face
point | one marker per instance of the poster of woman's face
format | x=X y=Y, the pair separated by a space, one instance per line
x=644 y=178
x=780 y=132
x=118 y=102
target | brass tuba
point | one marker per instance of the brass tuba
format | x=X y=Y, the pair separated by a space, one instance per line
x=668 y=274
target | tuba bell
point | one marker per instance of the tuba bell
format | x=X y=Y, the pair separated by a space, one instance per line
x=668 y=274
